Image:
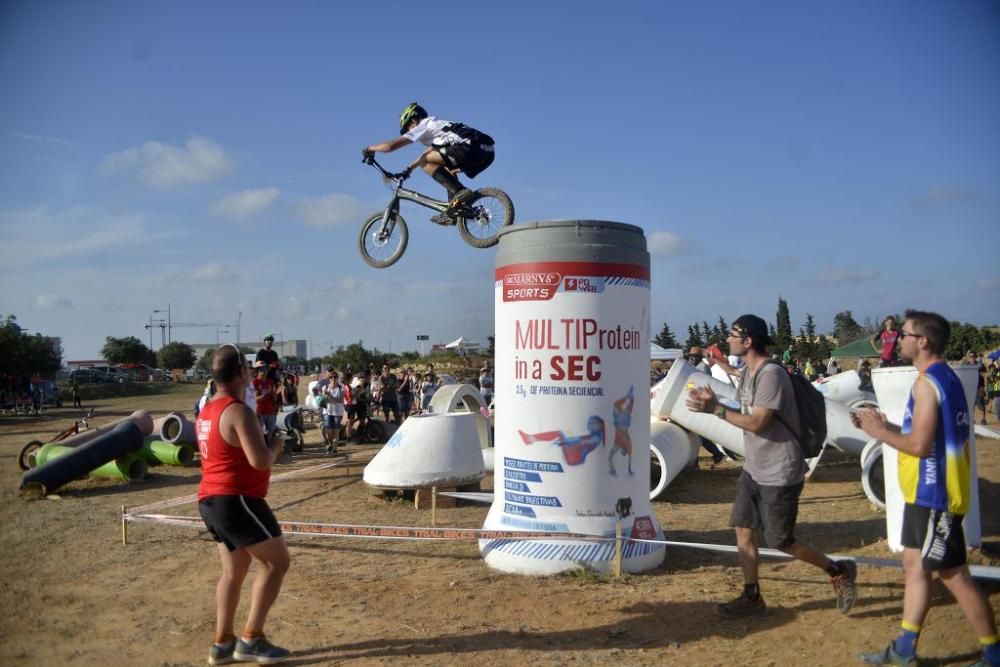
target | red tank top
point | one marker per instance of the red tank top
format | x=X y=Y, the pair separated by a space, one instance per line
x=225 y=470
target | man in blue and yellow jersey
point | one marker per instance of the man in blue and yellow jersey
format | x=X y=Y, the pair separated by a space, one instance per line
x=933 y=445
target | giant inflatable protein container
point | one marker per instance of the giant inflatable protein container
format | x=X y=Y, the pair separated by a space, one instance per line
x=572 y=412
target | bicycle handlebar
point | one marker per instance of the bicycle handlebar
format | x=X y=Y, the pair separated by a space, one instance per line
x=370 y=160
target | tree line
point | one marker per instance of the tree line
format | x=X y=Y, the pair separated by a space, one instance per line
x=808 y=344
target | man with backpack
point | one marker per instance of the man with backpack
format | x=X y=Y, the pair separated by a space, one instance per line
x=767 y=498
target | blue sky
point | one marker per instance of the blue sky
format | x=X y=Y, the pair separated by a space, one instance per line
x=845 y=156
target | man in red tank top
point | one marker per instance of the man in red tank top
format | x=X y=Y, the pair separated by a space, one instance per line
x=236 y=470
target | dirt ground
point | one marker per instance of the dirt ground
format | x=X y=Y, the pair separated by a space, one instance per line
x=72 y=594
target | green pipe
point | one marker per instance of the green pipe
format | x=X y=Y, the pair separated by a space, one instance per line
x=155 y=451
x=129 y=467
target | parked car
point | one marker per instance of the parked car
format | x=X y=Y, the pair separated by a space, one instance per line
x=117 y=374
x=90 y=376
x=51 y=394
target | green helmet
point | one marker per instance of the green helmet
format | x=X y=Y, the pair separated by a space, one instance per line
x=411 y=112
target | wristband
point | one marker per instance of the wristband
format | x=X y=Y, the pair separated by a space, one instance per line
x=720 y=411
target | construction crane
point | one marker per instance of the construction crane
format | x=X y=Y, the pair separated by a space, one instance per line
x=164 y=326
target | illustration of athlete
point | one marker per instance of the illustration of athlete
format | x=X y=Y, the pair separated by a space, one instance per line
x=622 y=420
x=574 y=448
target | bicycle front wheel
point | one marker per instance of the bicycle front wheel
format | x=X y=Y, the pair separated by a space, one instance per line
x=382 y=246
x=493 y=210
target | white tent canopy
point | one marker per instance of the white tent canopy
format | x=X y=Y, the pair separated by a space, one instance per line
x=462 y=345
x=657 y=353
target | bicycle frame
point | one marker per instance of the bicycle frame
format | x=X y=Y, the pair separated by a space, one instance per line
x=399 y=192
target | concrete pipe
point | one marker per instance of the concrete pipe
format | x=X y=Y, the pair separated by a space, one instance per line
x=672 y=449
x=123 y=439
x=873 y=473
x=157 y=452
x=140 y=418
x=175 y=428
x=128 y=468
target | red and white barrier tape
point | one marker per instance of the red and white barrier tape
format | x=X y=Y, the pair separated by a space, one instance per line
x=192 y=497
x=312 y=529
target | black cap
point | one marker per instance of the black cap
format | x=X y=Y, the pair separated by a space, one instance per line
x=754 y=327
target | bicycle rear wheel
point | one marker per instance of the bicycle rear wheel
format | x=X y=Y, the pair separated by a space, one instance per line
x=493 y=210
x=380 y=247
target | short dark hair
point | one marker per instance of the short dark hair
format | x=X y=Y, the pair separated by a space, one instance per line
x=933 y=327
x=226 y=363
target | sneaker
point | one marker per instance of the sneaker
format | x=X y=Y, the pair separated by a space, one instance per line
x=843 y=586
x=261 y=651
x=222 y=654
x=443 y=219
x=888 y=657
x=742 y=607
x=461 y=197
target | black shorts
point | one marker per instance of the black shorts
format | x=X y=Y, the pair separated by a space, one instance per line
x=472 y=159
x=937 y=534
x=771 y=509
x=238 y=521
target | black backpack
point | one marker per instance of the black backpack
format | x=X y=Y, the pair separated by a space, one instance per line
x=812 y=413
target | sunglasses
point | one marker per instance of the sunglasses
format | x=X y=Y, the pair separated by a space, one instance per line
x=904 y=334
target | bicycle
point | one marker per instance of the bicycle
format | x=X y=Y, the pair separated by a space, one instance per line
x=384 y=235
x=26 y=458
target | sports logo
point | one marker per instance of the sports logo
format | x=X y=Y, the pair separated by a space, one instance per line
x=531 y=286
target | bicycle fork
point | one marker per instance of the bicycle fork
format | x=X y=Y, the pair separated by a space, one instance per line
x=388 y=220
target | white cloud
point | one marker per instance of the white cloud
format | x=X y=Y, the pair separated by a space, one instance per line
x=242 y=205
x=349 y=284
x=163 y=166
x=39 y=234
x=841 y=275
x=213 y=272
x=210 y=273
x=989 y=284
x=52 y=302
x=666 y=244
x=41 y=138
x=330 y=211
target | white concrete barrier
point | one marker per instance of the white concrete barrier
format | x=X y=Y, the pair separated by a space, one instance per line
x=429 y=450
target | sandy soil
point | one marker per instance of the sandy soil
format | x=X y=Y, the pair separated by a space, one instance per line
x=72 y=594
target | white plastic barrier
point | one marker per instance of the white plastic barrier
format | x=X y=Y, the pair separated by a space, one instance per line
x=844 y=388
x=673 y=450
x=668 y=402
x=310 y=402
x=429 y=450
x=873 y=473
x=841 y=432
x=892 y=387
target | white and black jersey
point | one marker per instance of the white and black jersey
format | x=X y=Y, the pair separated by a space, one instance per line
x=433 y=131
x=462 y=147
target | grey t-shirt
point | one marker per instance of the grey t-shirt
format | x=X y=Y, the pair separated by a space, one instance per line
x=773 y=457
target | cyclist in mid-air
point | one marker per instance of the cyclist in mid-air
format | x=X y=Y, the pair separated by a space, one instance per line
x=453 y=147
